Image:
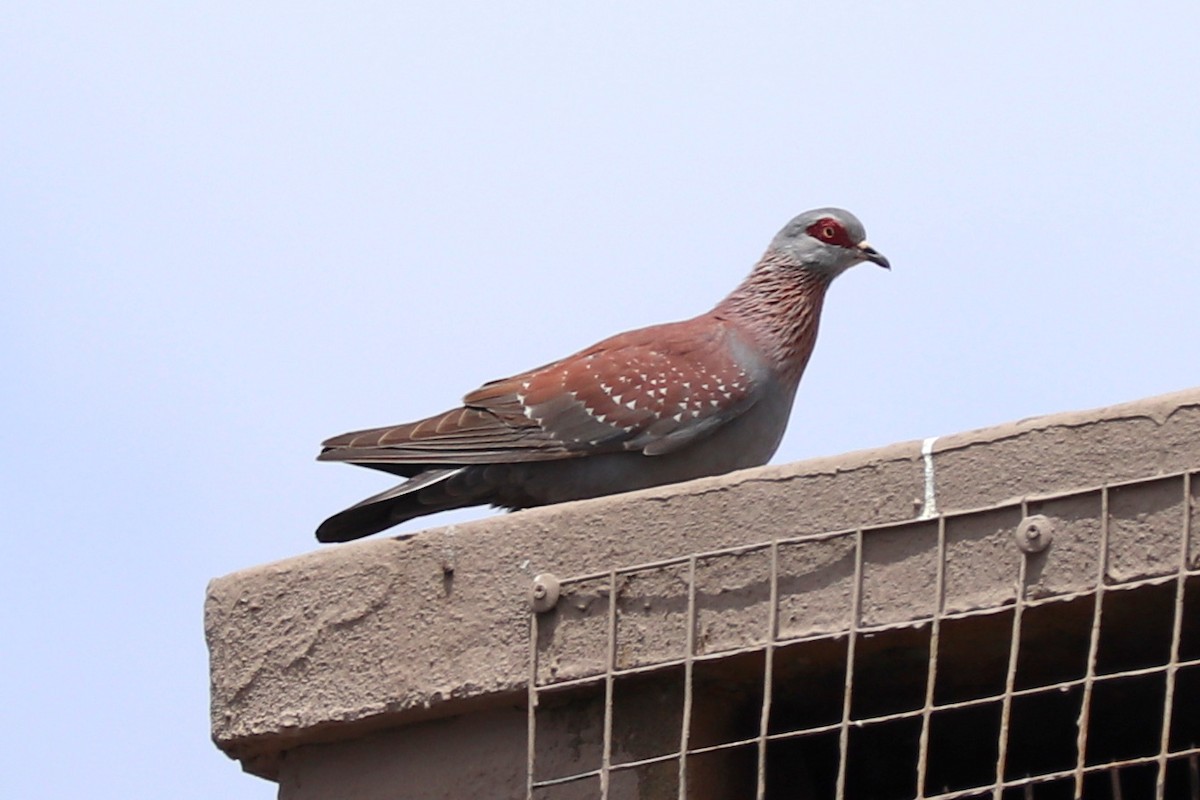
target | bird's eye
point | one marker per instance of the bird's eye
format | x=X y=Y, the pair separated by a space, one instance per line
x=830 y=231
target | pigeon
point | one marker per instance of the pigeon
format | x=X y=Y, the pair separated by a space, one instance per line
x=657 y=405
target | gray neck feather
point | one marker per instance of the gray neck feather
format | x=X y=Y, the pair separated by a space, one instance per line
x=779 y=305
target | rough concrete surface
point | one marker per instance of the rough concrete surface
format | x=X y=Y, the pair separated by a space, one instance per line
x=350 y=640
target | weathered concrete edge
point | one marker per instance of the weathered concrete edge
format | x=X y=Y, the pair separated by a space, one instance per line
x=257 y=725
x=248 y=623
x=1159 y=409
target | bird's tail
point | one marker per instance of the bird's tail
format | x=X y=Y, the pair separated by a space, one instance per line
x=398 y=504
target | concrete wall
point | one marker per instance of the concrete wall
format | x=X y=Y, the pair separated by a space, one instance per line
x=444 y=759
x=397 y=667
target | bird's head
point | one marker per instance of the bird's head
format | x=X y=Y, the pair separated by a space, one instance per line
x=826 y=240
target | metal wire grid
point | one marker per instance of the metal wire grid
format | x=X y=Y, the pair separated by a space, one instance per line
x=1181 y=571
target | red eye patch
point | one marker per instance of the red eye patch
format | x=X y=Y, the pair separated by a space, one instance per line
x=830 y=231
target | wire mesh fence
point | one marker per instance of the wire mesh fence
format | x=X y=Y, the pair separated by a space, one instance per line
x=1048 y=647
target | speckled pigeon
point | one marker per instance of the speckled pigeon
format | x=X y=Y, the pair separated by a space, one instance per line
x=656 y=405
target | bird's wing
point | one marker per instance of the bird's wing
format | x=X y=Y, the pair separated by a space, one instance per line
x=652 y=390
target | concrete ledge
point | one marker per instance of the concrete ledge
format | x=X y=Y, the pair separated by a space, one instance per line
x=360 y=637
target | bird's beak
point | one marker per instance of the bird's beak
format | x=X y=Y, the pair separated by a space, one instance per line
x=869 y=253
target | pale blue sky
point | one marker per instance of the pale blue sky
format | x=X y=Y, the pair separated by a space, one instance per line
x=229 y=232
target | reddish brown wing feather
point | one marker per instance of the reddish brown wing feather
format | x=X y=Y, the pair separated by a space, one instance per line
x=654 y=390
x=458 y=436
